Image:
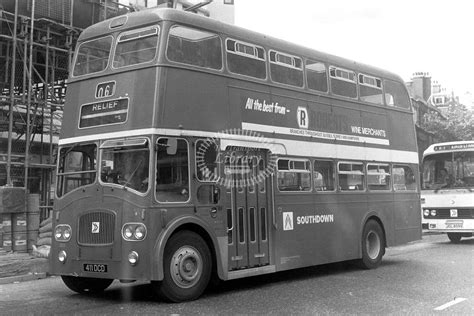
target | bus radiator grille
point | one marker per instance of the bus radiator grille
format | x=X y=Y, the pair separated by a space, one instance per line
x=96 y=228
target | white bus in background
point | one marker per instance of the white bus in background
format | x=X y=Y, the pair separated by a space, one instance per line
x=447 y=195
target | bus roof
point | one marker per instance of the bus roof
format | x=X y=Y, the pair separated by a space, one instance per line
x=449 y=147
x=151 y=16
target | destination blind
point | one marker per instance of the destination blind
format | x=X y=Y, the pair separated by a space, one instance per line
x=104 y=113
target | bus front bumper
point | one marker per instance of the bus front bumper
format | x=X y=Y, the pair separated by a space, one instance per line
x=451 y=225
x=131 y=267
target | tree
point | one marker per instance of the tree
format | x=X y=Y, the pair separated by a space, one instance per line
x=457 y=123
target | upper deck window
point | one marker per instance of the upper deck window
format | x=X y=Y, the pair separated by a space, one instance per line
x=370 y=89
x=246 y=59
x=343 y=82
x=286 y=69
x=194 y=47
x=136 y=47
x=316 y=76
x=92 y=56
x=396 y=94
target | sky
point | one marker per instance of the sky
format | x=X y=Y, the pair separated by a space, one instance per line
x=402 y=36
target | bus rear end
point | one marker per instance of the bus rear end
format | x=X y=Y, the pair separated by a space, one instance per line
x=448 y=189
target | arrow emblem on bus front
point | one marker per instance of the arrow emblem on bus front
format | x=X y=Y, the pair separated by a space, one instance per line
x=95 y=227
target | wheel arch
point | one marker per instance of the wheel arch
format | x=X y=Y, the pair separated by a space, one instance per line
x=372 y=216
x=184 y=223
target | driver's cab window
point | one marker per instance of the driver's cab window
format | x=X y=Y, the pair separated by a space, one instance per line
x=172 y=170
x=125 y=162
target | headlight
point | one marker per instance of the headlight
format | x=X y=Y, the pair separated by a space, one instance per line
x=128 y=233
x=62 y=256
x=58 y=233
x=133 y=258
x=426 y=212
x=139 y=232
x=433 y=212
x=62 y=233
x=134 y=231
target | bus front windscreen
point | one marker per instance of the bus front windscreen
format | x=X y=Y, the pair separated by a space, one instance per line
x=448 y=170
x=125 y=163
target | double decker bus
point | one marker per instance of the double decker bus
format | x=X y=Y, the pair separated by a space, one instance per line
x=193 y=150
x=447 y=193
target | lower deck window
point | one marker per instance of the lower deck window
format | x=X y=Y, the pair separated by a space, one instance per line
x=77 y=167
x=126 y=163
x=378 y=177
x=172 y=170
x=403 y=178
x=294 y=175
x=351 y=176
x=323 y=175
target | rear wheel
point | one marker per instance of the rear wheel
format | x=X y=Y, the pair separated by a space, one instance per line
x=373 y=245
x=187 y=267
x=454 y=237
x=86 y=285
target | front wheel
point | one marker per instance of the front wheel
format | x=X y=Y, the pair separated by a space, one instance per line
x=373 y=245
x=187 y=267
x=84 y=285
x=454 y=237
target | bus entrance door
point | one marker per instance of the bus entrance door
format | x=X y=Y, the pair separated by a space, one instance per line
x=247 y=205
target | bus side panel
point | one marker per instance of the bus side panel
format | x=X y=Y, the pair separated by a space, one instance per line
x=317 y=228
x=381 y=205
x=407 y=217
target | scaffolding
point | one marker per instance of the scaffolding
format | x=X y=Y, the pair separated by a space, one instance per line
x=37 y=39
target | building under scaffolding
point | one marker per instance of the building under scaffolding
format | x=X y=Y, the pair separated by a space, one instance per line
x=37 y=39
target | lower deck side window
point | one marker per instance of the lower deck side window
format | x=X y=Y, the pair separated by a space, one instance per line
x=403 y=178
x=323 y=175
x=351 y=176
x=294 y=175
x=172 y=170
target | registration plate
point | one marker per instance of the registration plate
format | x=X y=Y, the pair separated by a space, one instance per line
x=454 y=224
x=93 y=267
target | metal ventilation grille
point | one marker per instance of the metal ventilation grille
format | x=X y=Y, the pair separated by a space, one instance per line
x=96 y=228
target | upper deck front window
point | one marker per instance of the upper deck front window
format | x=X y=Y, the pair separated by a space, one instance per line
x=136 y=47
x=396 y=94
x=92 y=56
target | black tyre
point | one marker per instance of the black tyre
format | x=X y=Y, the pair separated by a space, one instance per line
x=373 y=245
x=187 y=267
x=455 y=238
x=86 y=285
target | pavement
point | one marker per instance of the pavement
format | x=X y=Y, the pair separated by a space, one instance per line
x=19 y=267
